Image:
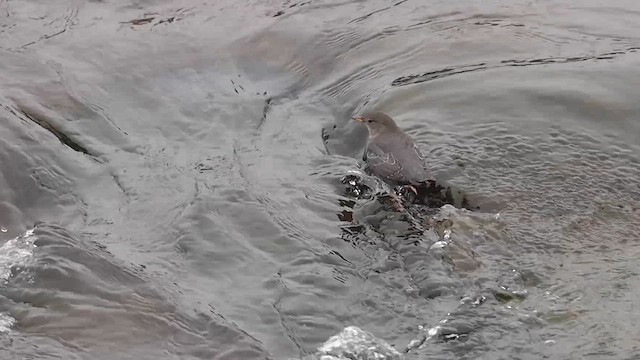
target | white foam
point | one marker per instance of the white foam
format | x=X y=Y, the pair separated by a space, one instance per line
x=6 y=323
x=16 y=252
x=353 y=342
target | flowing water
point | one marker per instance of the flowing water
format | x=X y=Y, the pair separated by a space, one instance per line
x=176 y=178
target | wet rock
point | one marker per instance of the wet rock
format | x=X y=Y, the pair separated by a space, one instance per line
x=504 y=295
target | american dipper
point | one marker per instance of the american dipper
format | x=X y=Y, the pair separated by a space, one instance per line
x=391 y=154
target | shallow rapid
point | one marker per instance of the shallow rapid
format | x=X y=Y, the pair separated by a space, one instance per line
x=182 y=180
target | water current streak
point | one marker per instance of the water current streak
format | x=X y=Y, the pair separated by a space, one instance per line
x=375 y=12
x=64 y=138
x=455 y=70
x=68 y=23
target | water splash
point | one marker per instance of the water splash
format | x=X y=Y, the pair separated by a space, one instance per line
x=16 y=252
x=359 y=185
x=440 y=331
x=355 y=343
x=6 y=323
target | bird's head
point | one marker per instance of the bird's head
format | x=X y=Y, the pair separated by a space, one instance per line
x=377 y=122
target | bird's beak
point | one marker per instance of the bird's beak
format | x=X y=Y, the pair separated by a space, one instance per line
x=358 y=118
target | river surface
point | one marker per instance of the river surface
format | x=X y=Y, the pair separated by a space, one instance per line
x=172 y=178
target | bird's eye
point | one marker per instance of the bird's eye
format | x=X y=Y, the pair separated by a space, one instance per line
x=370 y=121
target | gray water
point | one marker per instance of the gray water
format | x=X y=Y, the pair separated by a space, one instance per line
x=180 y=165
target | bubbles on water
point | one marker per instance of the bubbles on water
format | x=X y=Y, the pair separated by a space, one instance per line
x=3 y=229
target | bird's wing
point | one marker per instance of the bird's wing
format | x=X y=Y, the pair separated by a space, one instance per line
x=415 y=168
x=397 y=161
x=383 y=163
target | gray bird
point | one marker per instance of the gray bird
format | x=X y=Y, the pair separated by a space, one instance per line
x=391 y=154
